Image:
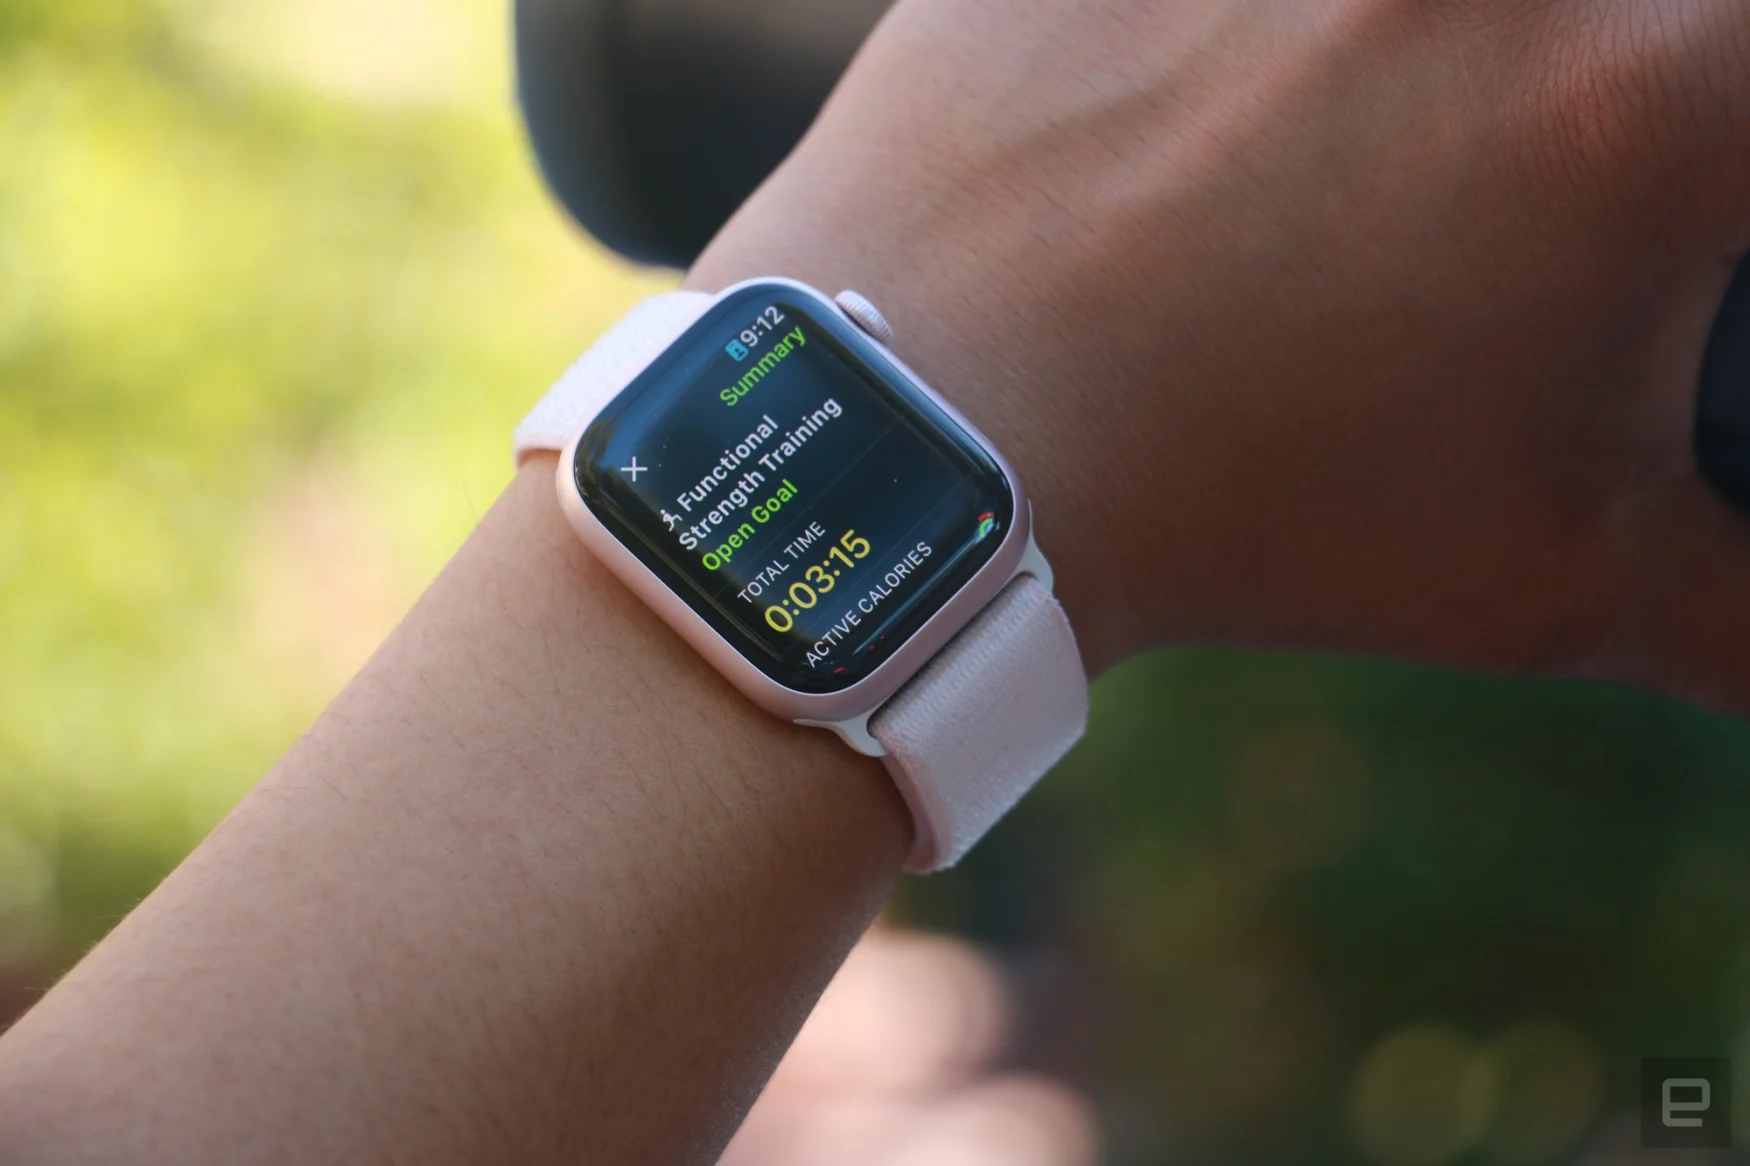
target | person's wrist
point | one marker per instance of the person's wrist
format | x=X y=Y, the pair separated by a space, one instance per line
x=957 y=340
x=1242 y=417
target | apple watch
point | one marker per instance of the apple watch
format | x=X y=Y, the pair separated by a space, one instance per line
x=830 y=534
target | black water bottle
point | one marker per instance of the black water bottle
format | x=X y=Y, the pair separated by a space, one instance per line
x=654 y=119
x=1722 y=423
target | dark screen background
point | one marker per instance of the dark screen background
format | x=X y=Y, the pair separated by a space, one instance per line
x=890 y=480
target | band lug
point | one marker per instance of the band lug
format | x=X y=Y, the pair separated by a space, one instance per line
x=854 y=732
x=1033 y=561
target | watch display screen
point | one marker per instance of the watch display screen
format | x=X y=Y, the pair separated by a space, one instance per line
x=794 y=488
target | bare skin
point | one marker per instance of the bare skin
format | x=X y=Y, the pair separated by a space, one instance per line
x=1338 y=324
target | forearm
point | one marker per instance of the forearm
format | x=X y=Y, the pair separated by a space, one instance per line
x=540 y=886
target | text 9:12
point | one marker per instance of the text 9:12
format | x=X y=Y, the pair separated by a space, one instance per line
x=763 y=325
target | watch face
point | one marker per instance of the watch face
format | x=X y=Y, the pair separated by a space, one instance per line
x=794 y=488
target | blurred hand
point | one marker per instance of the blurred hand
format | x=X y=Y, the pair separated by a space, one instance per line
x=894 y=1068
x=1347 y=324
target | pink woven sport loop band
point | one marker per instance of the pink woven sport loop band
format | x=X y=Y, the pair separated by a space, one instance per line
x=596 y=377
x=984 y=721
x=981 y=723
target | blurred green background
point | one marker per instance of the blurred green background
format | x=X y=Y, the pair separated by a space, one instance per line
x=277 y=277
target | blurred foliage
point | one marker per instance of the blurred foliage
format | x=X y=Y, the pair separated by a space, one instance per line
x=275 y=280
x=1337 y=910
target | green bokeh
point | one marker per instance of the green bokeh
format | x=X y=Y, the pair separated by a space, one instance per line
x=253 y=316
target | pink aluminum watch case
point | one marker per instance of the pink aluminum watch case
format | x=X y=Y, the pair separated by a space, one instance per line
x=838 y=710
